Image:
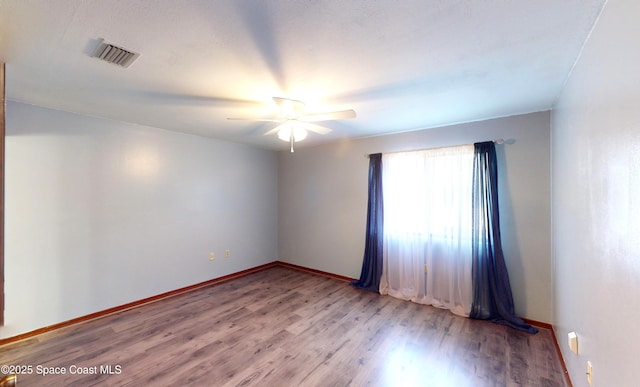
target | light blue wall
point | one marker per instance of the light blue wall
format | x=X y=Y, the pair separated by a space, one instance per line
x=596 y=202
x=323 y=201
x=101 y=213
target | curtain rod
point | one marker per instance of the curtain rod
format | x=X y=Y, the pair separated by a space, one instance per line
x=498 y=141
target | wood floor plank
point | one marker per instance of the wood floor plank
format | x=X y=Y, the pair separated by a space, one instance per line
x=284 y=327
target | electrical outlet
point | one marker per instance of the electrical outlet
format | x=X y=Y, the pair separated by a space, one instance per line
x=227 y=253
x=212 y=256
x=589 y=373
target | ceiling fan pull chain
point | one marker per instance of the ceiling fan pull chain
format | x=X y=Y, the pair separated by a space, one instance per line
x=291 y=139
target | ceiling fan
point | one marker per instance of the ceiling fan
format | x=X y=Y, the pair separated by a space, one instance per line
x=295 y=122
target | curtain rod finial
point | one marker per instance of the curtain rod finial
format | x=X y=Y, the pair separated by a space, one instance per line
x=499 y=141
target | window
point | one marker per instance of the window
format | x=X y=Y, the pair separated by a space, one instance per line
x=428 y=192
x=427 y=226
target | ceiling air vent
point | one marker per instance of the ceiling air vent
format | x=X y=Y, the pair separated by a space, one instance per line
x=114 y=54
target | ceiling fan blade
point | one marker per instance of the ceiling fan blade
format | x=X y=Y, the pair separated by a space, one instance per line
x=276 y=129
x=305 y=125
x=316 y=128
x=337 y=115
x=263 y=119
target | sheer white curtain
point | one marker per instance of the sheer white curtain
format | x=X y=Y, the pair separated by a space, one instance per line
x=427 y=227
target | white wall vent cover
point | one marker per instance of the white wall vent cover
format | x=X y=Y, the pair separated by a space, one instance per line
x=114 y=54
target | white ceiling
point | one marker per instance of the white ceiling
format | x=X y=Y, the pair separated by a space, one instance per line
x=402 y=65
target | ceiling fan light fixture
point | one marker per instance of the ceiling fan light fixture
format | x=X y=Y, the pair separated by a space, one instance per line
x=295 y=122
x=299 y=133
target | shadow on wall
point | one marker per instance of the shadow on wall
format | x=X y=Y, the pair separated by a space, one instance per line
x=508 y=230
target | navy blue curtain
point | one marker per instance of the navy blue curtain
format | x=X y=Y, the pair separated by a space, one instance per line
x=372 y=263
x=492 y=297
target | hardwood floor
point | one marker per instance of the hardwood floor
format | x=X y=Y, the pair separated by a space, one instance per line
x=284 y=327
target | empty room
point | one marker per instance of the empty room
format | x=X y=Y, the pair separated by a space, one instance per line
x=319 y=193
